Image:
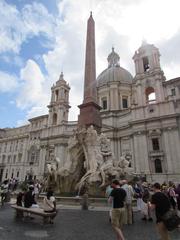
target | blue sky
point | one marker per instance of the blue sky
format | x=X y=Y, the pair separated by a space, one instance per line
x=40 y=38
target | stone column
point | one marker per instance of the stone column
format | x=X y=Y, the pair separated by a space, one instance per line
x=141 y=153
x=90 y=110
x=42 y=161
x=167 y=150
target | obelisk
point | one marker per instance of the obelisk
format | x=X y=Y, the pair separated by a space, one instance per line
x=89 y=109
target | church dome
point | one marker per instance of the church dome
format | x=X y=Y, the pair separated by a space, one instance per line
x=114 y=73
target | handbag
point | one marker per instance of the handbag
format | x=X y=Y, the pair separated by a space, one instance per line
x=171 y=220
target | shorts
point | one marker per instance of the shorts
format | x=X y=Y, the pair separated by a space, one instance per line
x=118 y=217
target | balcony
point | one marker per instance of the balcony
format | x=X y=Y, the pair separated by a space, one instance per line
x=156 y=153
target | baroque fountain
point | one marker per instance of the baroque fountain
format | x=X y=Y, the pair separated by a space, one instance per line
x=90 y=165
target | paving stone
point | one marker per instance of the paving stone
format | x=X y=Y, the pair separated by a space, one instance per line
x=74 y=224
x=36 y=234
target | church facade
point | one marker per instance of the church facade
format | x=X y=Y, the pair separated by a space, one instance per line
x=140 y=115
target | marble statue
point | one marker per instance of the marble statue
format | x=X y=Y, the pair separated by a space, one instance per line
x=90 y=161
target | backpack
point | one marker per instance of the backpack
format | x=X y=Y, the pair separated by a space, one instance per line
x=146 y=195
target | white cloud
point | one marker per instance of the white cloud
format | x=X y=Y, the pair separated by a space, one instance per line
x=8 y=82
x=33 y=112
x=171 y=70
x=32 y=90
x=16 y=27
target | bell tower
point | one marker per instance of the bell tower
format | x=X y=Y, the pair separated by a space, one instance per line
x=149 y=76
x=59 y=105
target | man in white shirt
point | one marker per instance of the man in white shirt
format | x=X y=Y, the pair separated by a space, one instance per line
x=128 y=202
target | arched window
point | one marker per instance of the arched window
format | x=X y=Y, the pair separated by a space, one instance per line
x=158 y=166
x=146 y=64
x=150 y=95
x=54 y=118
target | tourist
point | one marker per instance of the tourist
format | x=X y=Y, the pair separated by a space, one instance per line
x=29 y=198
x=177 y=191
x=108 y=192
x=37 y=188
x=20 y=199
x=4 y=191
x=49 y=204
x=138 y=196
x=145 y=207
x=128 y=203
x=172 y=195
x=117 y=197
x=161 y=204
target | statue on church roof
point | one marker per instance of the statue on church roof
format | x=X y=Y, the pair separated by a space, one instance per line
x=113 y=59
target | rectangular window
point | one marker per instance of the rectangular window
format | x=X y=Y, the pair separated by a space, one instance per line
x=3 y=158
x=19 y=157
x=21 y=147
x=125 y=102
x=14 y=159
x=104 y=103
x=16 y=148
x=155 y=144
x=158 y=166
x=5 y=147
x=173 y=92
x=9 y=159
x=56 y=95
x=6 y=176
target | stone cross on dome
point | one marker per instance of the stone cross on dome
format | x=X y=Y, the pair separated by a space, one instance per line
x=113 y=59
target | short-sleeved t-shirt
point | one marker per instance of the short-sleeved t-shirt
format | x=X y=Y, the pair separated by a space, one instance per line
x=118 y=195
x=161 y=201
x=49 y=203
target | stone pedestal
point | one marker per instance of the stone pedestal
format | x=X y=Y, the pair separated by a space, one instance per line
x=89 y=115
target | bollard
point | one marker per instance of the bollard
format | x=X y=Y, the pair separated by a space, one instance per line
x=8 y=197
x=84 y=202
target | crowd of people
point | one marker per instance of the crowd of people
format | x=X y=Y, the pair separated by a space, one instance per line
x=27 y=194
x=29 y=199
x=161 y=198
x=121 y=195
x=11 y=186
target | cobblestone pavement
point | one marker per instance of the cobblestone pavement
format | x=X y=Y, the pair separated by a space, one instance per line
x=73 y=224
